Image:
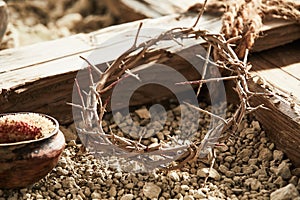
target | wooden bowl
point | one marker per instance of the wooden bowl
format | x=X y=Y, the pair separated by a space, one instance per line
x=24 y=163
x=3 y=18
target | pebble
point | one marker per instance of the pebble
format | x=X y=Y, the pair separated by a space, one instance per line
x=96 y=195
x=57 y=186
x=223 y=169
x=127 y=197
x=87 y=191
x=214 y=174
x=112 y=191
x=287 y=192
x=284 y=171
x=265 y=155
x=160 y=135
x=279 y=182
x=199 y=194
x=256 y=125
x=185 y=187
x=237 y=191
x=173 y=175
x=151 y=190
x=245 y=153
x=188 y=197
x=143 y=113
x=296 y=172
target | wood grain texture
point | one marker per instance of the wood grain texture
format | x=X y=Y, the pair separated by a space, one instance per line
x=281 y=123
x=280 y=68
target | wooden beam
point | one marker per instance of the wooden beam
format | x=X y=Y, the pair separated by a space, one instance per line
x=280 y=70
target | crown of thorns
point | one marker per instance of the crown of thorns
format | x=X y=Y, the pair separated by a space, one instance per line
x=93 y=104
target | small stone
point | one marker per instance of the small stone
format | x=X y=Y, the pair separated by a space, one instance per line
x=61 y=192
x=185 y=187
x=229 y=159
x=62 y=162
x=127 y=197
x=118 y=175
x=255 y=185
x=160 y=135
x=236 y=169
x=38 y=196
x=223 y=148
x=134 y=134
x=229 y=174
x=121 y=192
x=151 y=190
x=294 y=180
x=87 y=191
x=112 y=191
x=57 y=186
x=166 y=195
x=129 y=185
x=199 y=194
x=272 y=146
x=279 y=182
x=265 y=155
x=245 y=153
x=174 y=176
x=140 y=184
x=143 y=113
x=252 y=161
x=202 y=172
x=223 y=169
x=96 y=195
x=285 y=193
x=284 y=171
x=61 y=171
x=149 y=133
x=256 y=125
x=237 y=191
x=296 y=172
x=188 y=197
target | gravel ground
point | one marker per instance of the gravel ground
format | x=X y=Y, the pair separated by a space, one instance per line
x=248 y=167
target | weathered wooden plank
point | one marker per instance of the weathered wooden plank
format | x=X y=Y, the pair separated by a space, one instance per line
x=280 y=121
x=27 y=56
x=280 y=67
x=28 y=64
x=273 y=29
